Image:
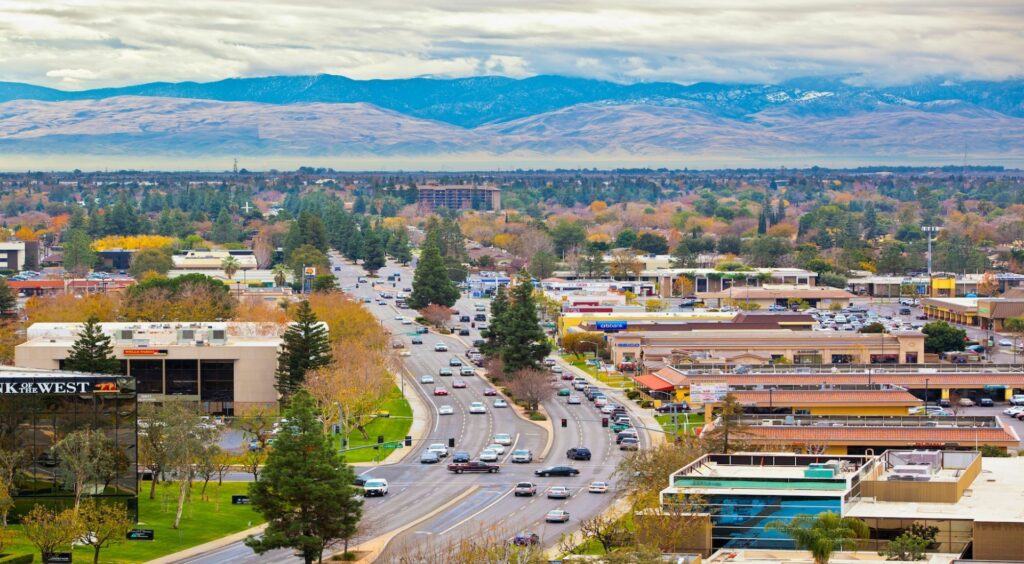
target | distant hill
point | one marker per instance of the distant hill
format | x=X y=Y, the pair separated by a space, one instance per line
x=328 y=115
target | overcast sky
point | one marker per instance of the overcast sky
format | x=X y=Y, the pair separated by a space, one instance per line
x=75 y=44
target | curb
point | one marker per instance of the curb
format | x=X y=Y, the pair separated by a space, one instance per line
x=420 y=418
x=617 y=509
x=377 y=545
x=206 y=547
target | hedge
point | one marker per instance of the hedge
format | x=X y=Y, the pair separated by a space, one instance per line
x=16 y=558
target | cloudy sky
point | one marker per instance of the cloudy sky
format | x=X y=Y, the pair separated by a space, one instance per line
x=75 y=44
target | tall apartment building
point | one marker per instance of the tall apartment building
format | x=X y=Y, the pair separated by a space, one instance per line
x=459 y=197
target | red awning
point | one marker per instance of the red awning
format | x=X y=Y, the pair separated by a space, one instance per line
x=653 y=383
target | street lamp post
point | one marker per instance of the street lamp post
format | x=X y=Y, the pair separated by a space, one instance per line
x=930 y=230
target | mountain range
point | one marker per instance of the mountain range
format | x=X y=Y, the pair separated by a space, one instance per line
x=327 y=115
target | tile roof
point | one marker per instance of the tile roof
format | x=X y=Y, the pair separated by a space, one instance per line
x=937 y=380
x=787 y=397
x=875 y=435
x=652 y=382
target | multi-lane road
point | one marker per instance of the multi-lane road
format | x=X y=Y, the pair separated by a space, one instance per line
x=419 y=509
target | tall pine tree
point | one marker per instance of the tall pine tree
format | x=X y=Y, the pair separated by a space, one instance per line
x=398 y=246
x=431 y=283
x=306 y=346
x=305 y=492
x=495 y=331
x=523 y=343
x=92 y=351
x=374 y=258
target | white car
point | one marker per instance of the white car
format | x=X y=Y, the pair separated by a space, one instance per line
x=1011 y=411
x=406 y=321
x=1005 y=343
x=399 y=318
x=496 y=448
x=426 y=379
x=488 y=455
x=503 y=439
x=445 y=410
x=477 y=407
x=440 y=347
x=375 y=487
x=500 y=403
x=439 y=448
x=598 y=487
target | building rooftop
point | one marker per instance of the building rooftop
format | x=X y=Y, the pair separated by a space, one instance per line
x=825 y=397
x=159 y=334
x=907 y=379
x=779 y=292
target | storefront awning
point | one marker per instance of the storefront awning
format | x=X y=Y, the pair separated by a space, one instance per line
x=653 y=383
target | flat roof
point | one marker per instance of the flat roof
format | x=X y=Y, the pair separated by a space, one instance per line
x=868 y=435
x=996 y=495
x=825 y=397
x=758 y=292
x=62 y=335
x=936 y=380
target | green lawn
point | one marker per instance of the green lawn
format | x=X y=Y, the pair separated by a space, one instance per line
x=393 y=428
x=695 y=420
x=202 y=521
x=614 y=380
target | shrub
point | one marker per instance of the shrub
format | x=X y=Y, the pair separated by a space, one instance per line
x=16 y=558
x=538 y=416
x=647 y=404
x=633 y=394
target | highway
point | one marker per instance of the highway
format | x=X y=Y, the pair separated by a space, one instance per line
x=417 y=490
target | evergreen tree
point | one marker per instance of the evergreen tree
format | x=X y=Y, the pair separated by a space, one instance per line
x=495 y=331
x=523 y=342
x=224 y=230
x=8 y=301
x=398 y=246
x=353 y=250
x=431 y=283
x=762 y=221
x=305 y=492
x=682 y=256
x=306 y=346
x=78 y=254
x=92 y=351
x=780 y=210
x=373 y=251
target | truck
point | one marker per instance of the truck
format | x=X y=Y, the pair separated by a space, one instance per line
x=472 y=466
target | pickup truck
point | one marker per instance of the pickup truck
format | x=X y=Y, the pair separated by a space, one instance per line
x=472 y=466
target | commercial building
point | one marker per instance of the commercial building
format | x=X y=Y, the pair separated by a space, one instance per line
x=38 y=407
x=213 y=260
x=742 y=320
x=873 y=400
x=667 y=282
x=224 y=365
x=459 y=197
x=961 y=496
x=987 y=313
x=860 y=434
x=19 y=255
x=763 y=346
x=620 y=321
x=767 y=296
x=53 y=286
x=939 y=285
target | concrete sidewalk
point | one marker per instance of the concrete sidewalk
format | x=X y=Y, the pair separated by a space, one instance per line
x=643 y=417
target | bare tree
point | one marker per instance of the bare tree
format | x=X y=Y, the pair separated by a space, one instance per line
x=437 y=315
x=609 y=531
x=222 y=463
x=531 y=387
x=192 y=437
x=87 y=456
x=253 y=461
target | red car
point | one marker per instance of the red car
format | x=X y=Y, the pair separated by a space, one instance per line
x=440 y=392
x=490 y=392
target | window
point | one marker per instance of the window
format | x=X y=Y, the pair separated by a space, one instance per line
x=182 y=377
x=149 y=376
x=218 y=380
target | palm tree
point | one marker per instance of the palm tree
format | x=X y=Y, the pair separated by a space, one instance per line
x=822 y=534
x=280 y=274
x=230 y=266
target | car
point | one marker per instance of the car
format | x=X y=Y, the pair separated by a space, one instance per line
x=458 y=383
x=440 y=391
x=375 y=487
x=986 y=402
x=556 y=369
x=417 y=341
x=498 y=402
x=1011 y=411
x=445 y=410
x=426 y=379
x=480 y=317
x=600 y=401
x=598 y=487
x=397 y=345
x=477 y=407
x=439 y=448
x=473 y=466
x=558 y=492
x=381 y=302
x=461 y=456
x=522 y=456
x=440 y=347
x=564 y=392
x=361 y=280
x=463 y=331
x=499 y=448
x=905 y=311
x=429 y=457
x=557 y=516
x=622 y=435
x=405 y=353
x=464 y=319
x=1017 y=399
x=490 y=392
x=488 y=455
x=674 y=407
x=556 y=471
x=578 y=453
x=549 y=362
x=504 y=439
x=525 y=489
x=966 y=402
x=467 y=371
x=421 y=330
x=616 y=427
x=455 y=361
x=406 y=320
x=573 y=399
x=525 y=539
x=629 y=443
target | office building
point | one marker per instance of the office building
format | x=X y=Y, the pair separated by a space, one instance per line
x=459 y=197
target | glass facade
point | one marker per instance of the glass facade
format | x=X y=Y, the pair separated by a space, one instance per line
x=951 y=536
x=33 y=421
x=741 y=521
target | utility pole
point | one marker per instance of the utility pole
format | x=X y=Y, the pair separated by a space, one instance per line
x=930 y=230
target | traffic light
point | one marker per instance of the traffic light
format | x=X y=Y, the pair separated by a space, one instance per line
x=380 y=439
x=565 y=422
x=451 y=442
x=604 y=421
x=408 y=440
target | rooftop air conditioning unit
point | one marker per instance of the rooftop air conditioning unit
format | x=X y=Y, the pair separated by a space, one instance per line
x=186 y=335
x=125 y=334
x=219 y=336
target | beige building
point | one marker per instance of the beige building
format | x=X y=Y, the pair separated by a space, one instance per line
x=764 y=297
x=224 y=365
x=762 y=346
x=212 y=260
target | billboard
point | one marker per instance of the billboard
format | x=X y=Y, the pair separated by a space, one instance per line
x=708 y=392
x=610 y=325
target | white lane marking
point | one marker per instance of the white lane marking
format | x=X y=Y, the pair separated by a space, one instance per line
x=510 y=449
x=481 y=510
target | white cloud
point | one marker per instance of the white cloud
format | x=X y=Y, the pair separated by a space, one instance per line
x=93 y=43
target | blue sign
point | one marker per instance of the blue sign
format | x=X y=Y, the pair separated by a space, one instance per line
x=922 y=289
x=610 y=325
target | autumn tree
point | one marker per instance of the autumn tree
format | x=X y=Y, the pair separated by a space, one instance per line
x=353 y=387
x=625 y=264
x=106 y=524
x=69 y=308
x=581 y=343
x=151 y=260
x=531 y=387
x=50 y=530
x=437 y=315
x=989 y=284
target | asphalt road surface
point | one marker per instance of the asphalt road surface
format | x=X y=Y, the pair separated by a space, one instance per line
x=416 y=490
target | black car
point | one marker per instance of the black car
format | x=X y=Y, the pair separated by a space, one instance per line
x=460 y=456
x=464 y=319
x=986 y=402
x=676 y=407
x=556 y=471
x=417 y=341
x=478 y=342
x=359 y=481
x=578 y=453
x=463 y=331
x=422 y=330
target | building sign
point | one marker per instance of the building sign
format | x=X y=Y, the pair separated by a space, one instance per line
x=57 y=558
x=627 y=345
x=60 y=386
x=610 y=325
x=309 y=271
x=144 y=352
x=708 y=392
x=239 y=500
x=141 y=535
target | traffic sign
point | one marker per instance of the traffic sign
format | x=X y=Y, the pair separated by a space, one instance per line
x=393 y=445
